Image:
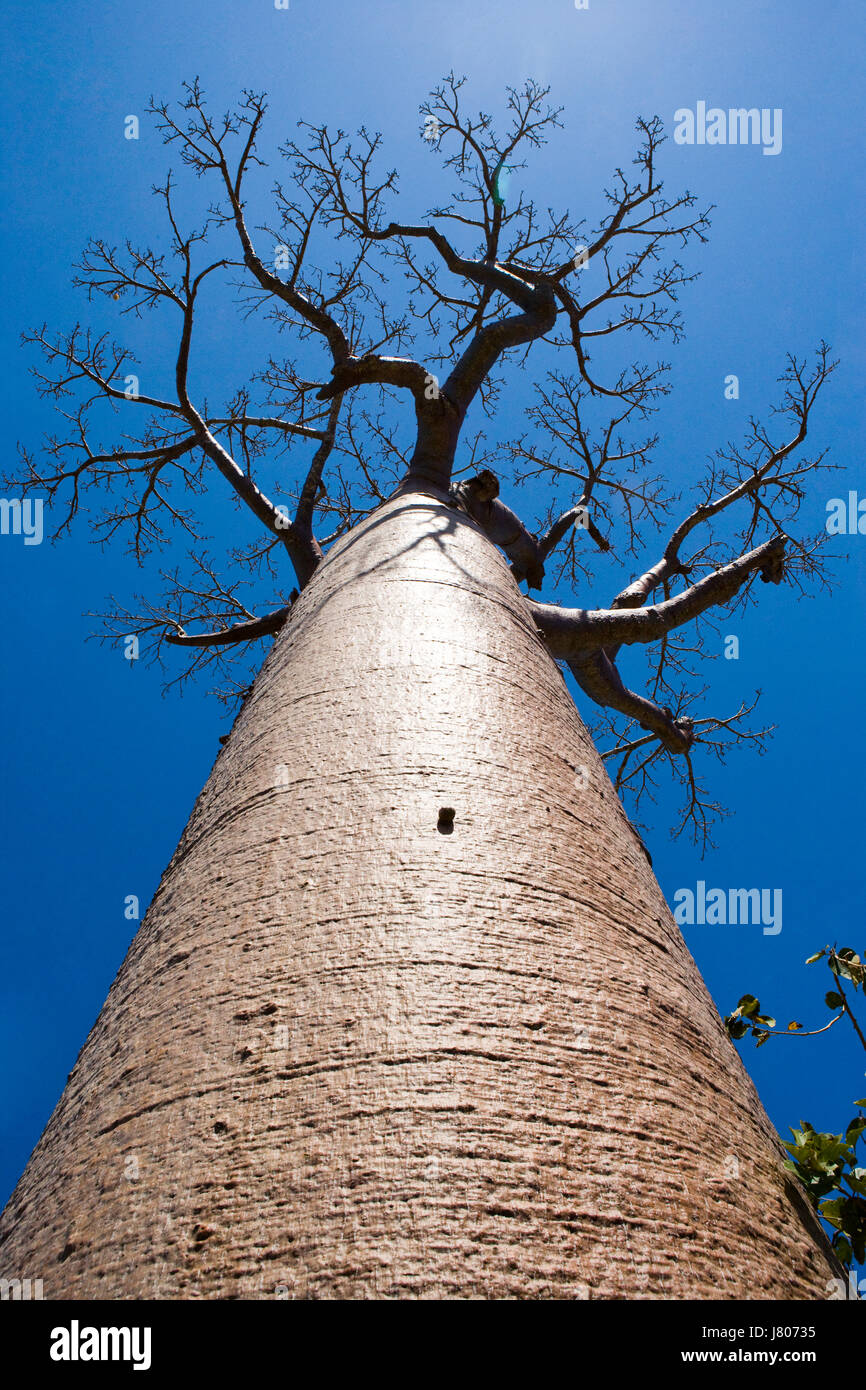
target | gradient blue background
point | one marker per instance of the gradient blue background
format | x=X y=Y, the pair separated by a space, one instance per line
x=100 y=772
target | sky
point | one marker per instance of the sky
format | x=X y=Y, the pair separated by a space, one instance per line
x=100 y=769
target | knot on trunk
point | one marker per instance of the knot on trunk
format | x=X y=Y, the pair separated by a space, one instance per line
x=679 y=736
x=773 y=569
x=479 y=498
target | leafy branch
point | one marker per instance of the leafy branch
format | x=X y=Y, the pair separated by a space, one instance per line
x=825 y=1163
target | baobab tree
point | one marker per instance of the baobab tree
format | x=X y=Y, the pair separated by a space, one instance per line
x=408 y=1014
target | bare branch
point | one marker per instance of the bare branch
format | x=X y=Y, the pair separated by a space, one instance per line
x=229 y=636
x=569 y=631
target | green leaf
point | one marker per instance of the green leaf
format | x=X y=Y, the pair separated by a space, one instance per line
x=860 y=1102
x=832 y=1211
x=840 y=966
x=842 y=1247
x=761 y=1037
x=811 y=959
x=833 y=1000
x=748 y=1006
x=766 y=1019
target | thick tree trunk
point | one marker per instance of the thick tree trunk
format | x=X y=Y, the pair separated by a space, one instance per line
x=353 y=1052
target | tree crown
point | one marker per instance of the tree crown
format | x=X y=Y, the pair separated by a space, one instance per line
x=441 y=309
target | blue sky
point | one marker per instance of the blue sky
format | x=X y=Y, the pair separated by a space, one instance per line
x=101 y=770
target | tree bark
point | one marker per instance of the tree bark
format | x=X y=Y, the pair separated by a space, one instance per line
x=351 y=1053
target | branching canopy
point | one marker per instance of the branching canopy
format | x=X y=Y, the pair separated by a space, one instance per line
x=436 y=309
